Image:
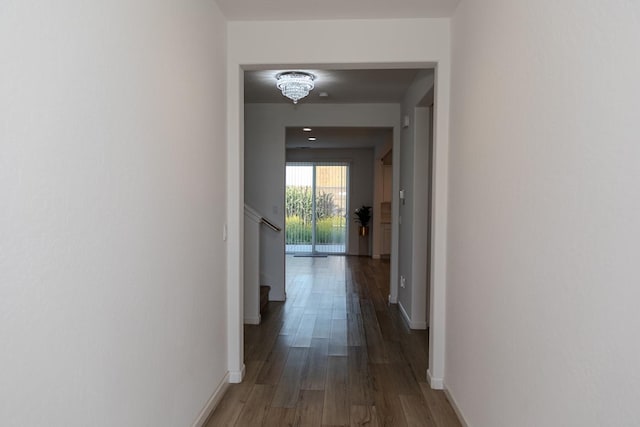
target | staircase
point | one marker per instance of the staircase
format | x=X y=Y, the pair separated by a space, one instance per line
x=256 y=297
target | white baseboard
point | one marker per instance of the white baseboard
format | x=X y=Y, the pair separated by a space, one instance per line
x=235 y=377
x=212 y=402
x=435 y=383
x=253 y=320
x=411 y=323
x=455 y=407
x=393 y=300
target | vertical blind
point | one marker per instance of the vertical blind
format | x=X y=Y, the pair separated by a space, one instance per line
x=317 y=207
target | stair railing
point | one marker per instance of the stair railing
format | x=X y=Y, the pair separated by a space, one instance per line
x=270 y=224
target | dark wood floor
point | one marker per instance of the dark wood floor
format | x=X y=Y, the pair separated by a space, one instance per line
x=335 y=354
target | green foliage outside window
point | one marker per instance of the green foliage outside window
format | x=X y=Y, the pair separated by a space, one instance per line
x=330 y=223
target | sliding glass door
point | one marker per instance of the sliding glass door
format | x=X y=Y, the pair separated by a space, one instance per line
x=316 y=208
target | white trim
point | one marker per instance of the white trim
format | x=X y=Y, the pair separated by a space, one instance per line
x=253 y=320
x=455 y=407
x=392 y=299
x=433 y=48
x=411 y=323
x=212 y=402
x=440 y=174
x=235 y=218
x=435 y=383
x=235 y=377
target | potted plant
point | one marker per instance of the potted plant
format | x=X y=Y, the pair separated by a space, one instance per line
x=362 y=215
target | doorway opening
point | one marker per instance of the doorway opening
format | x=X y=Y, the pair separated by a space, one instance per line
x=266 y=127
x=316 y=206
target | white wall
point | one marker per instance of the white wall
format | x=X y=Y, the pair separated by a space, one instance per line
x=265 y=158
x=352 y=44
x=251 y=290
x=543 y=292
x=414 y=181
x=360 y=184
x=112 y=181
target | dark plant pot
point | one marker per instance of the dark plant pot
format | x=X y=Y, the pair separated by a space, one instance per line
x=363 y=230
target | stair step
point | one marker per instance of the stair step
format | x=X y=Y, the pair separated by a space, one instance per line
x=264 y=298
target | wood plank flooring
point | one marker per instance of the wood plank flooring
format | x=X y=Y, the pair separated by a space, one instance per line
x=335 y=354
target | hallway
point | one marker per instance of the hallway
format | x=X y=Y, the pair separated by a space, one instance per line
x=335 y=354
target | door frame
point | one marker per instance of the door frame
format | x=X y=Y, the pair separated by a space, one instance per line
x=427 y=46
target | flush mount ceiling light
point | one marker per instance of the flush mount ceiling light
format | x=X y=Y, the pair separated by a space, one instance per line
x=295 y=85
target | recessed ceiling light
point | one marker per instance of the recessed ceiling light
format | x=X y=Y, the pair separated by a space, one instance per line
x=306 y=129
x=312 y=138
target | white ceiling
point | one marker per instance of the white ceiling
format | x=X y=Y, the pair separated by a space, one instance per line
x=342 y=86
x=338 y=137
x=285 y=10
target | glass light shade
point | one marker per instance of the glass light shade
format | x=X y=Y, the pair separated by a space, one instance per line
x=295 y=85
